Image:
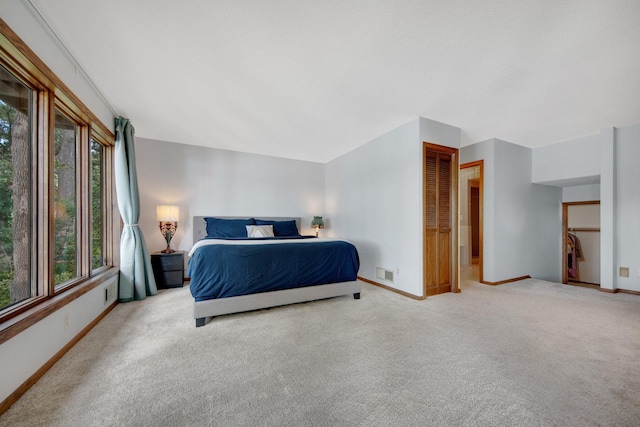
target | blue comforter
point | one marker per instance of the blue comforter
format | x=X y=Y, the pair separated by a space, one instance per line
x=228 y=269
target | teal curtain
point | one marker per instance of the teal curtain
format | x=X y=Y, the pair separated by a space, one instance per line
x=136 y=276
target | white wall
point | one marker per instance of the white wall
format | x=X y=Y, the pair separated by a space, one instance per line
x=521 y=232
x=574 y=162
x=374 y=199
x=207 y=181
x=24 y=22
x=583 y=216
x=512 y=174
x=589 y=260
x=628 y=206
x=526 y=216
x=580 y=193
x=608 y=209
x=22 y=355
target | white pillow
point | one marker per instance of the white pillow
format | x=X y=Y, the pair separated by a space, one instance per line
x=260 y=231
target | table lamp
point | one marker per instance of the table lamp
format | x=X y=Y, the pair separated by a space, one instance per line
x=317 y=223
x=168 y=219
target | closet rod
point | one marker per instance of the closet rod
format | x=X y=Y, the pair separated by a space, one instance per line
x=595 y=229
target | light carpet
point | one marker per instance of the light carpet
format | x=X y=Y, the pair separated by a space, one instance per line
x=525 y=353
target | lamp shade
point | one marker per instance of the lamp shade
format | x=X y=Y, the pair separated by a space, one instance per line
x=317 y=222
x=168 y=213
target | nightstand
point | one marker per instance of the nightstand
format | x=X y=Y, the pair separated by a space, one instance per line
x=168 y=269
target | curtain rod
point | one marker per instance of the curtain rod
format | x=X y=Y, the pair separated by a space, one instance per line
x=70 y=56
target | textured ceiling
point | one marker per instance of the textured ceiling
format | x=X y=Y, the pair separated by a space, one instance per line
x=312 y=80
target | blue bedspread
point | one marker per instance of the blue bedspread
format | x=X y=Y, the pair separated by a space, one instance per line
x=226 y=270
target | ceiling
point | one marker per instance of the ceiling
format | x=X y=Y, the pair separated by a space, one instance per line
x=312 y=80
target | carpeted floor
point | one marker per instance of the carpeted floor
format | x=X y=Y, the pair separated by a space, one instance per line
x=526 y=353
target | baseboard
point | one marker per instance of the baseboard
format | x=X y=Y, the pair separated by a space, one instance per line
x=627 y=291
x=622 y=291
x=389 y=288
x=502 y=282
x=13 y=397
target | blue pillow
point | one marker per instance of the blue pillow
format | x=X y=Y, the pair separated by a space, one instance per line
x=281 y=228
x=221 y=228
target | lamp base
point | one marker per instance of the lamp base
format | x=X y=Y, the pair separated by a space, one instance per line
x=168 y=229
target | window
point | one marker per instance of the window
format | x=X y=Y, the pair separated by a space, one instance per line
x=65 y=199
x=16 y=280
x=56 y=185
x=97 y=205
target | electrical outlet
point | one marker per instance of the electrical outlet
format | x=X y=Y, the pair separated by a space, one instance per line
x=66 y=322
x=624 y=271
x=109 y=292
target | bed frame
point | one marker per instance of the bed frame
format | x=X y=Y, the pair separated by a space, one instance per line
x=202 y=310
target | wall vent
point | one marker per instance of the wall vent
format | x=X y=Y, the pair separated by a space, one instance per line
x=383 y=274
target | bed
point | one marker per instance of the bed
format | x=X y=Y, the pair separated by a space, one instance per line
x=242 y=264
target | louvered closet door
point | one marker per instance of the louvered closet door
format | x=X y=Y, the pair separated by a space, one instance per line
x=437 y=199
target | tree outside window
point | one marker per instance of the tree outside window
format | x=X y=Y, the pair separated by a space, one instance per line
x=97 y=205
x=65 y=200
x=16 y=282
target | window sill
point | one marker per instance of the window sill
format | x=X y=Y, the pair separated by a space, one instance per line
x=30 y=317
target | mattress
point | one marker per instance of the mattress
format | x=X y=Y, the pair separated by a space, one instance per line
x=222 y=268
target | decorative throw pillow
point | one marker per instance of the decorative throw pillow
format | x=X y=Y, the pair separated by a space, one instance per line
x=260 y=231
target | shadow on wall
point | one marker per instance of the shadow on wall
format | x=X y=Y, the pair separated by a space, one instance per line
x=368 y=250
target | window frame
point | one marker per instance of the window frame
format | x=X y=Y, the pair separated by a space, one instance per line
x=36 y=97
x=80 y=201
x=108 y=199
x=49 y=94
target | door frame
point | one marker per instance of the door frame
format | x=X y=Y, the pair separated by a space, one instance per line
x=565 y=234
x=453 y=264
x=480 y=164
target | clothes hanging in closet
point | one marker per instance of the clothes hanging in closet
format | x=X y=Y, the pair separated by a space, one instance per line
x=573 y=254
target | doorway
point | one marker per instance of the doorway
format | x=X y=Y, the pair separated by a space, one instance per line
x=440 y=213
x=471 y=214
x=581 y=243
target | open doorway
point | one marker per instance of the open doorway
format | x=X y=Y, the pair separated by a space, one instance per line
x=581 y=251
x=471 y=208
